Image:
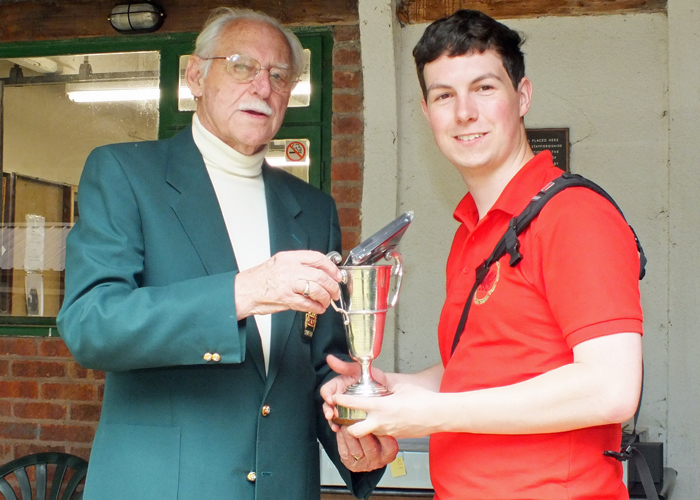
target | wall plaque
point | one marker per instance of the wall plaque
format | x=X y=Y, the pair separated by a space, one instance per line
x=554 y=139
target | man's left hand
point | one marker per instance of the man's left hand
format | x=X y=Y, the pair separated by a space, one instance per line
x=366 y=453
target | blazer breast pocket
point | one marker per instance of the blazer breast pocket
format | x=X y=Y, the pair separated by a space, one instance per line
x=134 y=462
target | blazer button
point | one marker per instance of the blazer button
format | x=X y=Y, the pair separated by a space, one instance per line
x=216 y=357
x=208 y=357
x=251 y=477
x=266 y=410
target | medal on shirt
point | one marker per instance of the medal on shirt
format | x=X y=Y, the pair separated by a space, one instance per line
x=309 y=326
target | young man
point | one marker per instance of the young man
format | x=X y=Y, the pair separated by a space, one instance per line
x=549 y=362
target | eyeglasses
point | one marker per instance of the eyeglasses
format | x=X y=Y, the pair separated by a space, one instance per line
x=244 y=69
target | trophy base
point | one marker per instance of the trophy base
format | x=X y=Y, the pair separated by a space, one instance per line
x=349 y=416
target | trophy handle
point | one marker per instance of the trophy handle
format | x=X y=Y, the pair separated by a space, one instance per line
x=346 y=318
x=396 y=271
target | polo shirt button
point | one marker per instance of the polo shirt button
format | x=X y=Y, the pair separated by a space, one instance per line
x=207 y=357
x=266 y=410
x=251 y=477
x=216 y=357
x=465 y=270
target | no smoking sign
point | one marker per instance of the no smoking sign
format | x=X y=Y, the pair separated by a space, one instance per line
x=295 y=151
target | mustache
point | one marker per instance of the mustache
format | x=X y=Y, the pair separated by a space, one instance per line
x=256 y=106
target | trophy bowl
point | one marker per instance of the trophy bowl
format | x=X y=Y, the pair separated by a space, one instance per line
x=365 y=299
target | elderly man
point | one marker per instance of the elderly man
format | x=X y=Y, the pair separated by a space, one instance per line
x=194 y=277
x=527 y=400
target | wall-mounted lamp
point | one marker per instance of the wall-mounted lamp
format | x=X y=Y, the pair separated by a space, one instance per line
x=142 y=17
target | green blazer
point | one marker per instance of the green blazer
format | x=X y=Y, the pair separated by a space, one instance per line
x=150 y=275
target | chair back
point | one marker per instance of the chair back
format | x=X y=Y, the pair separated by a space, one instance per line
x=58 y=473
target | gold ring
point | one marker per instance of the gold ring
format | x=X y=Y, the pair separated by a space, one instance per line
x=306 y=289
x=357 y=459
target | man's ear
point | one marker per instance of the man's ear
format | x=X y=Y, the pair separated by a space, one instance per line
x=194 y=75
x=525 y=94
x=424 y=107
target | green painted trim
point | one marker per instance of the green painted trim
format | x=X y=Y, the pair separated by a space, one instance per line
x=92 y=45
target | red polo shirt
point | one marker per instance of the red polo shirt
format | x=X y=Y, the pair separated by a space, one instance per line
x=578 y=280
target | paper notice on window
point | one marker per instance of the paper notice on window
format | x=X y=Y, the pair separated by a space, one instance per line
x=34 y=243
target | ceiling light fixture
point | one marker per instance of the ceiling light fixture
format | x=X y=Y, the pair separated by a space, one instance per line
x=141 y=17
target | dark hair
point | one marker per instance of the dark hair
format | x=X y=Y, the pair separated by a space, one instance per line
x=468 y=31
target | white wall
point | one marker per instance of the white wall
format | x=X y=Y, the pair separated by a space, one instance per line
x=607 y=79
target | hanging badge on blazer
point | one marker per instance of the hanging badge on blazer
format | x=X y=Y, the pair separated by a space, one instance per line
x=309 y=326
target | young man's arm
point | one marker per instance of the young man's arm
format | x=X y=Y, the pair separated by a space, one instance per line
x=600 y=387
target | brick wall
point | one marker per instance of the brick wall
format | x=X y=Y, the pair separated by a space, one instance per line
x=50 y=403
x=47 y=401
x=348 y=124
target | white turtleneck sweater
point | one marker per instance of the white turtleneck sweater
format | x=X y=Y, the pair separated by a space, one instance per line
x=239 y=187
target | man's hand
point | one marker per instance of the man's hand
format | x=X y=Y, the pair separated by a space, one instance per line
x=366 y=453
x=411 y=411
x=302 y=280
x=348 y=374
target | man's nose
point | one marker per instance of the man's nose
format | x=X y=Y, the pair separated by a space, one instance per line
x=466 y=109
x=261 y=83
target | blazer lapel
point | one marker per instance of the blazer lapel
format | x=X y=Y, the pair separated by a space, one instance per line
x=197 y=206
x=285 y=234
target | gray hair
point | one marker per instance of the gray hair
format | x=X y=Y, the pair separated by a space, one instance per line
x=222 y=16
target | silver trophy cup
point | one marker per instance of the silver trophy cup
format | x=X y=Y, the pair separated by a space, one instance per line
x=364 y=302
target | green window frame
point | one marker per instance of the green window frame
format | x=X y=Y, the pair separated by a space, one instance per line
x=312 y=122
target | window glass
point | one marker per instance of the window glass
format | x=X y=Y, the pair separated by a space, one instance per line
x=55 y=110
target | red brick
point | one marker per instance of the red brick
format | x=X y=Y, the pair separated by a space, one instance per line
x=85 y=412
x=10 y=430
x=4 y=368
x=19 y=389
x=346 y=79
x=98 y=375
x=80 y=451
x=38 y=369
x=5 y=409
x=347 y=125
x=347 y=103
x=349 y=217
x=350 y=239
x=100 y=392
x=54 y=348
x=346 y=33
x=74 y=392
x=348 y=147
x=346 y=171
x=22 y=449
x=47 y=411
x=6 y=453
x=346 y=194
x=76 y=371
x=346 y=57
x=18 y=347
x=71 y=433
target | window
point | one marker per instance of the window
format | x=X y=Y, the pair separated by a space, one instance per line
x=59 y=100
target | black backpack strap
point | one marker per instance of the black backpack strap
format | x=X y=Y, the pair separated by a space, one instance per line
x=509 y=241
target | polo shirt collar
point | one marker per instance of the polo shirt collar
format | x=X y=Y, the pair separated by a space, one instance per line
x=525 y=184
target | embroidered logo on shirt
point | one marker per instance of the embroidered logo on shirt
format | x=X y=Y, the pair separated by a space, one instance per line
x=484 y=291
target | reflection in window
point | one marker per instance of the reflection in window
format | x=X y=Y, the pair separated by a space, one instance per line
x=55 y=111
x=301 y=95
